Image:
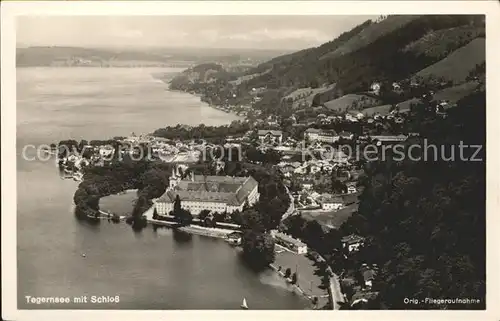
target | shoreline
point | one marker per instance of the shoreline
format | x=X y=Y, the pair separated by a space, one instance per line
x=216 y=107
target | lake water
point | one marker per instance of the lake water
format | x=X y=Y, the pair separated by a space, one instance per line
x=153 y=269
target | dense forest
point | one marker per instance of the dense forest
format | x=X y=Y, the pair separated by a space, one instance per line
x=208 y=133
x=393 y=55
x=425 y=220
x=150 y=178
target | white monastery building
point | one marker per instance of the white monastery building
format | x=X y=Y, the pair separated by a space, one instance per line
x=214 y=193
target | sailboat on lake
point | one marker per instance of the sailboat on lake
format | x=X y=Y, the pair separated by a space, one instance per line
x=244 y=304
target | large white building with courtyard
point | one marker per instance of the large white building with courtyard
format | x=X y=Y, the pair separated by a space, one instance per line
x=214 y=193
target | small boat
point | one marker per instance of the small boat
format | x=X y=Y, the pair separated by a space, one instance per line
x=83 y=255
x=244 y=304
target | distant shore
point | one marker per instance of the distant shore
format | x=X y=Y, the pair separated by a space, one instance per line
x=167 y=82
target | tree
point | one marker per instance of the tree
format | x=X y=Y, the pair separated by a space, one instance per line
x=236 y=217
x=288 y=272
x=203 y=214
x=177 y=204
x=252 y=220
x=294 y=278
x=258 y=249
x=183 y=217
x=426 y=220
x=81 y=145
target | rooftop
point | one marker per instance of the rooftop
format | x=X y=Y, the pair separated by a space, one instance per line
x=368 y=275
x=263 y=132
x=390 y=137
x=352 y=238
x=289 y=239
x=320 y=131
x=230 y=190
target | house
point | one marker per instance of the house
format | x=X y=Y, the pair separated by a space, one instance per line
x=289 y=242
x=270 y=136
x=368 y=275
x=375 y=88
x=331 y=203
x=389 y=138
x=315 y=169
x=352 y=242
x=349 y=199
x=336 y=156
x=106 y=151
x=287 y=170
x=360 y=298
x=346 y=135
x=234 y=238
x=351 y=189
x=325 y=136
x=307 y=185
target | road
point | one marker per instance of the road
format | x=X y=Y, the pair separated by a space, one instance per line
x=335 y=291
x=291 y=208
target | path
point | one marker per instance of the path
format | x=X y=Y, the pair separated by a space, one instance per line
x=334 y=287
x=291 y=207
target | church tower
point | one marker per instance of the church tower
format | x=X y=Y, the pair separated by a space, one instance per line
x=174 y=179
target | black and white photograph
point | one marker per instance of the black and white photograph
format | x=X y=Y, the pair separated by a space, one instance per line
x=248 y=161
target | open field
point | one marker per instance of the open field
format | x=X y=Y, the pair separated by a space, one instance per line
x=457 y=66
x=382 y=110
x=405 y=105
x=345 y=102
x=121 y=204
x=332 y=219
x=306 y=279
x=455 y=93
x=307 y=94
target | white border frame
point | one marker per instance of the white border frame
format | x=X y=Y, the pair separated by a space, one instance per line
x=8 y=178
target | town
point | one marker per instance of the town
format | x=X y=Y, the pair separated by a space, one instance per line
x=302 y=181
x=312 y=154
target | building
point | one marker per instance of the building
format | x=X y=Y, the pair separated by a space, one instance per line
x=325 y=136
x=351 y=189
x=106 y=151
x=307 y=185
x=361 y=298
x=289 y=242
x=270 y=136
x=346 y=135
x=214 y=193
x=234 y=238
x=331 y=203
x=352 y=242
x=389 y=139
x=368 y=274
x=375 y=88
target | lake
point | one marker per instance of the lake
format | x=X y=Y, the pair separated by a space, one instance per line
x=152 y=269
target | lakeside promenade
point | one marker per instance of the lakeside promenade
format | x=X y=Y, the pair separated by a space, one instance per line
x=193 y=229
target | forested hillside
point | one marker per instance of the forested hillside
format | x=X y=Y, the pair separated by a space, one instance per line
x=425 y=220
x=392 y=49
